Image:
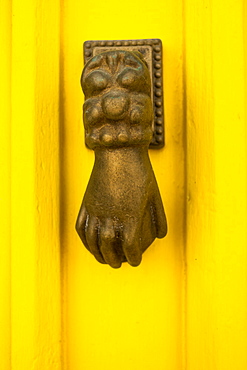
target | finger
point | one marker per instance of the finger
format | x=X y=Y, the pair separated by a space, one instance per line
x=131 y=242
x=81 y=225
x=159 y=216
x=108 y=244
x=92 y=238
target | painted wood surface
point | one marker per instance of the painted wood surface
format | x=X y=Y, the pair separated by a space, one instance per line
x=215 y=75
x=185 y=307
x=5 y=155
x=35 y=239
x=131 y=317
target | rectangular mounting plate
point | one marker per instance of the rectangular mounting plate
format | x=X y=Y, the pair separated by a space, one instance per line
x=151 y=49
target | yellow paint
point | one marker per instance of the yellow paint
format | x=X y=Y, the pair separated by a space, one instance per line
x=35 y=252
x=216 y=185
x=185 y=307
x=131 y=317
x=5 y=108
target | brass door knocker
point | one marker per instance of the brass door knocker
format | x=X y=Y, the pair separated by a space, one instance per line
x=122 y=212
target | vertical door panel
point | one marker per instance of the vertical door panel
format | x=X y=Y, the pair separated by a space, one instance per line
x=5 y=239
x=131 y=317
x=216 y=185
x=35 y=254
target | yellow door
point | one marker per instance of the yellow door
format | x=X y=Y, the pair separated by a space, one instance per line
x=185 y=306
x=131 y=317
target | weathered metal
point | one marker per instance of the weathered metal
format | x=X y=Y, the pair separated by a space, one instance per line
x=151 y=50
x=122 y=211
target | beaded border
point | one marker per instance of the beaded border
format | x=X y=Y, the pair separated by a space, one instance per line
x=158 y=140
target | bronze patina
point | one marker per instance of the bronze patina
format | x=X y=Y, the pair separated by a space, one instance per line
x=122 y=212
x=151 y=50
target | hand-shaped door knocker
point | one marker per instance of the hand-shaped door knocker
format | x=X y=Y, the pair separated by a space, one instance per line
x=122 y=212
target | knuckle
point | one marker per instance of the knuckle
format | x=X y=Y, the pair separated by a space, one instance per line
x=107 y=235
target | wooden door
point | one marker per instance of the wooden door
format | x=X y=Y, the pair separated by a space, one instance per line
x=131 y=317
x=184 y=307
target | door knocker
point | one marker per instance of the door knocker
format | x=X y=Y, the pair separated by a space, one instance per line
x=122 y=211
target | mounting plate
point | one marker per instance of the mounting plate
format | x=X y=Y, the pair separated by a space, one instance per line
x=151 y=49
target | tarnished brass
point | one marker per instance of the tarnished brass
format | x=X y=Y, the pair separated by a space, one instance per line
x=151 y=50
x=122 y=211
